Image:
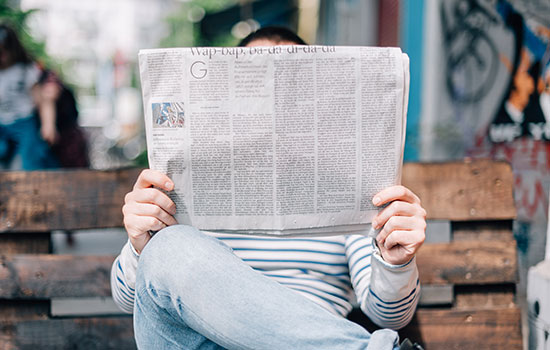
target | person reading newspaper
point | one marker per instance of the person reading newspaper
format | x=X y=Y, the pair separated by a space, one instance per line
x=203 y=290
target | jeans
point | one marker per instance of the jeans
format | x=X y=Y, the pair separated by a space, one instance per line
x=192 y=292
x=23 y=138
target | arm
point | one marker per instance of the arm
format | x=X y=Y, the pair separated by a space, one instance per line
x=45 y=96
x=146 y=208
x=123 y=278
x=387 y=294
x=385 y=279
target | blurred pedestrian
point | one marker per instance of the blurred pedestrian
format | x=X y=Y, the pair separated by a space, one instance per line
x=71 y=144
x=20 y=94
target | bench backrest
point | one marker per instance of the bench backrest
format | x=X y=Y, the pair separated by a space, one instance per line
x=468 y=266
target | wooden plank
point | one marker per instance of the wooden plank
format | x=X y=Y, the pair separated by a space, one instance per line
x=483 y=231
x=47 y=276
x=83 y=333
x=77 y=199
x=485 y=296
x=25 y=243
x=64 y=200
x=445 y=329
x=461 y=191
x=17 y=244
x=468 y=262
x=485 y=329
x=24 y=309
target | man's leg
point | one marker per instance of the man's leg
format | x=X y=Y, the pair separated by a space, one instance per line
x=192 y=292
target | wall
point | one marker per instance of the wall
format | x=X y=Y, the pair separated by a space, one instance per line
x=486 y=94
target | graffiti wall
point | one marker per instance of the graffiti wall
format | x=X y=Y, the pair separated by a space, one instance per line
x=491 y=92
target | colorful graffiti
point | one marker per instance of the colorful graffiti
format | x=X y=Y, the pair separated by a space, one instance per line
x=497 y=102
x=472 y=57
x=525 y=108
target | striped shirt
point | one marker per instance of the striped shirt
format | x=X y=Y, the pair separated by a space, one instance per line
x=335 y=272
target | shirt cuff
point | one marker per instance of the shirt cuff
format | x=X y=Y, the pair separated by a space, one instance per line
x=393 y=282
x=134 y=251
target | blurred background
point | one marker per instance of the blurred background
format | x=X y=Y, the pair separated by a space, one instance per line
x=480 y=75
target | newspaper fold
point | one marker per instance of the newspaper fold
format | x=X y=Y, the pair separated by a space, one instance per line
x=282 y=140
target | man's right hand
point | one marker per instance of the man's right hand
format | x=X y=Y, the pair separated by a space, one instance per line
x=146 y=208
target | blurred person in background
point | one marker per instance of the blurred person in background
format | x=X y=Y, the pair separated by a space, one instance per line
x=38 y=113
x=20 y=94
x=71 y=145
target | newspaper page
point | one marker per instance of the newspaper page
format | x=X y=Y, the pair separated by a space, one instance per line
x=276 y=140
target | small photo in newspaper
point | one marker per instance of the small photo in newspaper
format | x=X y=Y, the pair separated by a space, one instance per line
x=168 y=115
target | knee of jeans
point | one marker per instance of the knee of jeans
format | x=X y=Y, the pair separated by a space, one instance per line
x=176 y=251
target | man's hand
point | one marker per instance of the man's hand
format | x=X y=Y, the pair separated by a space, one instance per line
x=403 y=224
x=147 y=208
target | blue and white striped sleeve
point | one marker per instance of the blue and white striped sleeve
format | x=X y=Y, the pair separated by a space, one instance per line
x=123 y=278
x=388 y=294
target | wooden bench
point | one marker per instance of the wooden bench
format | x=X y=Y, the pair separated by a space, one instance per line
x=468 y=266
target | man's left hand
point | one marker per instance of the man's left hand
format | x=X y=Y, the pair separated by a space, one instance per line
x=403 y=224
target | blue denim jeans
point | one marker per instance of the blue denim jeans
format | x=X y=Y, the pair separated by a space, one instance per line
x=25 y=136
x=192 y=292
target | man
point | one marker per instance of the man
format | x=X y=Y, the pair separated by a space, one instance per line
x=201 y=290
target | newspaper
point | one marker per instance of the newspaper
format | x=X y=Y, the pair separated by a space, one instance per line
x=281 y=140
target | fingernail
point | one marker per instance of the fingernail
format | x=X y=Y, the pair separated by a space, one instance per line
x=374 y=224
x=376 y=200
x=168 y=186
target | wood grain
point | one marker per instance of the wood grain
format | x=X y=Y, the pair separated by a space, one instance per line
x=485 y=329
x=484 y=296
x=24 y=309
x=80 y=333
x=460 y=191
x=63 y=200
x=78 y=199
x=447 y=329
x=468 y=262
x=483 y=231
x=25 y=243
x=48 y=276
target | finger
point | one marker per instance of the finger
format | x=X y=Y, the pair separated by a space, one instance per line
x=398 y=208
x=151 y=196
x=403 y=223
x=146 y=209
x=153 y=224
x=396 y=238
x=409 y=240
x=394 y=193
x=149 y=178
x=137 y=226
